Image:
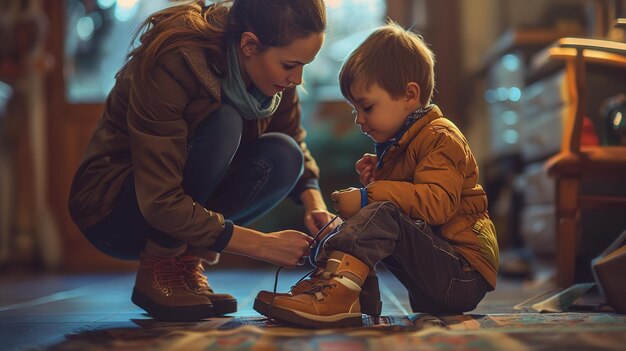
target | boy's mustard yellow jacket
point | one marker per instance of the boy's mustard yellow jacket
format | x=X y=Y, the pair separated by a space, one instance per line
x=431 y=174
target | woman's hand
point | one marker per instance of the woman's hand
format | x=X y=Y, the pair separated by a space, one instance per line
x=315 y=213
x=285 y=248
x=366 y=168
x=317 y=218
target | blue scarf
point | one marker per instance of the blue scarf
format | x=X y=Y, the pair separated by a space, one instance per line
x=251 y=104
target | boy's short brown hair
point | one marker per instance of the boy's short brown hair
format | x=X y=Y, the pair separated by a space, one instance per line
x=390 y=57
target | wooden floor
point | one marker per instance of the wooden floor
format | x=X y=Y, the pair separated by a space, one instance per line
x=38 y=311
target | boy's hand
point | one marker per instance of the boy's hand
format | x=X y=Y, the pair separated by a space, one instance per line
x=347 y=202
x=366 y=168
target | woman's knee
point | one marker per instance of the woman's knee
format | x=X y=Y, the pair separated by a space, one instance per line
x=284 y=154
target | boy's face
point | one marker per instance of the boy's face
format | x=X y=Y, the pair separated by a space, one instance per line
x=379 y=115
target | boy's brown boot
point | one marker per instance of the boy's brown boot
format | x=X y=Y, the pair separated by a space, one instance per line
x=264 y=298
x=193 y=273
x=332 y=301
x=369 y=298
x=162 y=291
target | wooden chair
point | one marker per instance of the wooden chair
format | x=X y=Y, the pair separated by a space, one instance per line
x=573 y=162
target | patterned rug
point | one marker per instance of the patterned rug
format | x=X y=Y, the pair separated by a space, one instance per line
x=544 y=322
x=523 y=331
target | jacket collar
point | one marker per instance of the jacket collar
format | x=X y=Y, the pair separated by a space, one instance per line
x=197 y=60
x=391 y=148
x=417 y=127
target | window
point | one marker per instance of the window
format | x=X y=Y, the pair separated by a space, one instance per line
x=98 y=35
x=97 y=39
x=343 y=35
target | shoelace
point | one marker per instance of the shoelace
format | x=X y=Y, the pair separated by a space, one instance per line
x=192 y=265
x=315 y=272
x=323 y=283
x=313 y=243
x=167 y=273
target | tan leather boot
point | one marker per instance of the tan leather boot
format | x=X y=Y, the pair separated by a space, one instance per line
x=369 y=297
x=332 y=301
x=264 y=298
x=193 y=273
x=161 y=290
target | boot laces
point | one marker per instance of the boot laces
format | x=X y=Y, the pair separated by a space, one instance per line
x=311 y=260
x=325 y=282
x=316 y=272
x=166 y=273
x=193 y=269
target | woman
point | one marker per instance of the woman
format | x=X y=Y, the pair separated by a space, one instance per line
x=201 y=134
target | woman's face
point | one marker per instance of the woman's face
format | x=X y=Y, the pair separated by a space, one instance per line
x=276 y=68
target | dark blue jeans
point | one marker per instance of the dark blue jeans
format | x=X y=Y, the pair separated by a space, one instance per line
x=240 y=181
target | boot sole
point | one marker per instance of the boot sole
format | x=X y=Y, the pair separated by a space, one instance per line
x=262 y=307
x=224 y=307
x=375 y=311
x=171 y=314
x=301 y=319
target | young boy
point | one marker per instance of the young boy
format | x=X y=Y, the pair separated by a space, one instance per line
x=421 y=212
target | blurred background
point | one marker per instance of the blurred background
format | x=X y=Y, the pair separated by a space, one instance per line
x=497 y=79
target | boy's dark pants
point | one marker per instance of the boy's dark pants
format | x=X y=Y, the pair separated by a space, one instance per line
x=439 y=280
